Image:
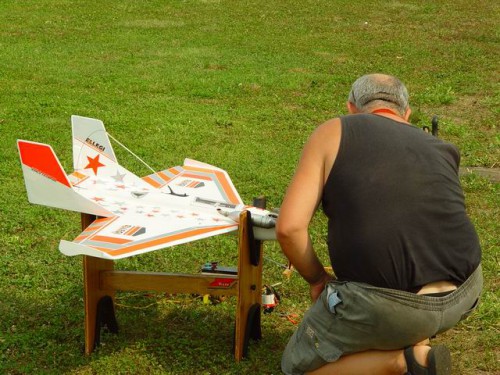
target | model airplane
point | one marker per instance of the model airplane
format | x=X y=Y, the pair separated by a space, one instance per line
x=135 y=215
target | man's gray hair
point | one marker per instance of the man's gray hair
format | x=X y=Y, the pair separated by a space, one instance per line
x=375 y=90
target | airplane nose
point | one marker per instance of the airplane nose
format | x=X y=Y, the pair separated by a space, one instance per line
x=267 y=221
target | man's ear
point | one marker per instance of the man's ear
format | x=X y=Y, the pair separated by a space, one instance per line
x=407 y=113
x=351 y=108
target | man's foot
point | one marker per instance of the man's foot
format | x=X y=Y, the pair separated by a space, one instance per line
x=438 y=359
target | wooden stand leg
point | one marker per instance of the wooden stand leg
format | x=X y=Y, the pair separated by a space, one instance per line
x=250 y=288
x=99 y=308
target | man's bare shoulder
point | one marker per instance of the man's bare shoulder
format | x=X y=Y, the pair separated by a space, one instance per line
x=326 y=142
x=327 y=130
x=331 y=124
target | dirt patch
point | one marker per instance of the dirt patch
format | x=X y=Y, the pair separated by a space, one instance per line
x=492 y=174
x=463 y=110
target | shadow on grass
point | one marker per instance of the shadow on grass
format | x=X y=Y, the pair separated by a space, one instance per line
x=181 y=335
x=157 y=335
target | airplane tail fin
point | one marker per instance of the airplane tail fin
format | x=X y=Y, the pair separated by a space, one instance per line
x=89 y=133
x=47 y=183
x=92 y=151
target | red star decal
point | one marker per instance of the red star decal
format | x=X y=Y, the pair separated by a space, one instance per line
x=94 y=163
x=97 y=199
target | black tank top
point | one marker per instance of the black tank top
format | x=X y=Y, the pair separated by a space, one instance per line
x=396 y=208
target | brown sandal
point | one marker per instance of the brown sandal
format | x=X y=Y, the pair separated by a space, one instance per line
x=439 y=359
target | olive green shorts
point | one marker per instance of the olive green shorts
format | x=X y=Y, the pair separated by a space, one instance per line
x=351 y=317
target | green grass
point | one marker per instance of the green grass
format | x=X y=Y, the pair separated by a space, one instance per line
x=240 y=85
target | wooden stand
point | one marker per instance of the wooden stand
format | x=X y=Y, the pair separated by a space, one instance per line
x=101 y=281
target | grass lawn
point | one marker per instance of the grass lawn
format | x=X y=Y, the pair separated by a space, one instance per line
x=240 y=85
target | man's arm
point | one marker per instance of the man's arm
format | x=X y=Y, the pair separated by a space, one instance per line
x=301 y=200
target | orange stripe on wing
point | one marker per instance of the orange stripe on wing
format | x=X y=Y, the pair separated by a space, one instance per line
x=78 y=175
x=228 y=189
x=165 y=177
x=95 y=226
x=197 y=176
x=233 y=198
x=221 y=177
x=165 y=240
x=114 y=240
x=152 y=182
x=132 y=231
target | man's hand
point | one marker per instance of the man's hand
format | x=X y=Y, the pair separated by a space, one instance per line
x=316 y=288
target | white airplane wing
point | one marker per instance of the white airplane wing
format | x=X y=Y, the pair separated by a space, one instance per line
x=132 y=234
x=196 y=180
